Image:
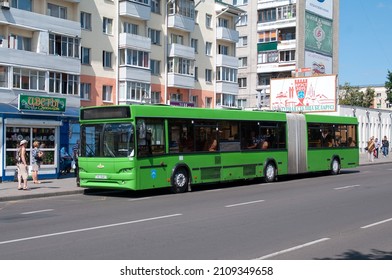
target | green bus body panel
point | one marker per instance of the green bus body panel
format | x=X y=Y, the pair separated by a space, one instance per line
x=204 y=167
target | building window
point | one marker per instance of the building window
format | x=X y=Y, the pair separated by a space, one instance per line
x=175 y=97
x=155 y=36
x=208 y=21
x=208 y=48
x=131 y=28
x=63 y=45
x=85 y=21
x=26 y=5
x=156 y=6
x=155 y=97
x=208 y=75
x=63 y=83
x=107 y=59
x=287 y=56
x=240 y=2
x=57 y=11
x=155 y=67
x=241 y=103
x=242 y=62
x=19 y=42
x=4 y=76
x=226 y=74
x=181 y=66
x=242 y=82
x=107 y=93
x=243 y=20
x=268 y=36
x=242 y=41
x=223 y=50
x=267 y=57
x=176 y=39
x=85 y=91
x=134 y=92
x=85 y=56
x=196 y=73
x=107 y=26
x=222 y=22
x=194 y=100
x=194 y=43
x=28 y=79
x=135 y=58
x=208 y=102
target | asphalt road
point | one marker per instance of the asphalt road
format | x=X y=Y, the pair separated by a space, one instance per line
x=348 y=216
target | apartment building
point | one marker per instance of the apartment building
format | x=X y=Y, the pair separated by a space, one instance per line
x=284 y=38
x=39 y=79
x=176 y=52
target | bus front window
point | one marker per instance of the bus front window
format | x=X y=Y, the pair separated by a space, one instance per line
x=107 y=140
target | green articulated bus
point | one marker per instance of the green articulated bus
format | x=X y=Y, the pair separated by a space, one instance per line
x=140 y=147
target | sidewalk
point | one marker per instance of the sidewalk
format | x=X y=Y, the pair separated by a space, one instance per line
x=67 y=184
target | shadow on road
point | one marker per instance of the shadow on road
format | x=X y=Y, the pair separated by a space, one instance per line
x=355 y=255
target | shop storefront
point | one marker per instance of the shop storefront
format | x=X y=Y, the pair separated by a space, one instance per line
x=49 y=123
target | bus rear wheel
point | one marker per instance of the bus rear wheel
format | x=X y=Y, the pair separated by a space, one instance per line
x=270 y=173
x=335 y=167
x=180 y=181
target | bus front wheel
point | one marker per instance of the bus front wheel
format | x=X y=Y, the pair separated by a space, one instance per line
x=180 y=181
x=270 y=173
x=335 y=166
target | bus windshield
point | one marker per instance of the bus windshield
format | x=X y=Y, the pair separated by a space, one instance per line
x=107 y=140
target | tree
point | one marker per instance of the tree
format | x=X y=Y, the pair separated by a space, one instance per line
x=388 y=87
x=352 y=96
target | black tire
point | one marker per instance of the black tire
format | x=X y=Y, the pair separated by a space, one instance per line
x=270 y=173
x=180 y=181
x=335 y=167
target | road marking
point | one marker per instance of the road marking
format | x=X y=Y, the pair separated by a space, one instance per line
x=347 y=187
x=38 y=211
x=87 y=229
x=293 y=249
x=378 y=223
x=137 y=199
x=244 y=203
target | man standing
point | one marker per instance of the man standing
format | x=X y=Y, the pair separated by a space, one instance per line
x=22 y=166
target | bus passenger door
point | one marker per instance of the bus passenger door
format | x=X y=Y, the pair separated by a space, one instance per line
x=296 y=144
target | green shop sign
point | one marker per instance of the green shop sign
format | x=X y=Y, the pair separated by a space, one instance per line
x=41 y=103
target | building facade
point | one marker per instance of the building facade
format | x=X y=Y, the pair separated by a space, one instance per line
x=282 y=39
x=39 y=79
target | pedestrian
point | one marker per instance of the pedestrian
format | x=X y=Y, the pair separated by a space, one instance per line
x=385 y=146
x=22 y=165
x=377 y=146
x=75 y=154
x=36 y=160
x=370 y=149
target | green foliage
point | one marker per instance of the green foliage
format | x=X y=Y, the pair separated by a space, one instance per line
x=352 y=96
x=388 y=87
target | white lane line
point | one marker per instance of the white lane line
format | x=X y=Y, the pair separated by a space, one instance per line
x=378 y=223
x=244 y=203
x=38 y=211
x=137 y=199
x=87 y=229
x=293 y=249
x=347 y=187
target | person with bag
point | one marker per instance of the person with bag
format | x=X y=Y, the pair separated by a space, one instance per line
x=385 y=146
x=36 y=160
x=22 y=166
x=370 y=149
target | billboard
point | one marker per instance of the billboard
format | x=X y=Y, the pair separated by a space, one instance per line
x=322 y=8
x=318 y=64
x=318 y=34
x=304 y=94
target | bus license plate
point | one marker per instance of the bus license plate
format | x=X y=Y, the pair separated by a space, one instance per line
x=99 y=176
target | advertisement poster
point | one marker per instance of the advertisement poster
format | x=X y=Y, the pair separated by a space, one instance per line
x=318 y=34
x=305 y=94
x=322 y=8
x=319 y=64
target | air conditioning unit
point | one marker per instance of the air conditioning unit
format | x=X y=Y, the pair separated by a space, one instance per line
x=5 y=5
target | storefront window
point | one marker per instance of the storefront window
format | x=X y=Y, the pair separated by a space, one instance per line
x=46 y=136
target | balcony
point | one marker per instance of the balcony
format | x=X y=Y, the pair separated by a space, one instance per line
x=41 y=61
x=180 y=81
x=227 y=87
x=133 y=41
x=180 y=22
x=135 y=10
x=226 y=61
x=227 y=34
x=135 y=74
x=39 y=22
x=178 y=50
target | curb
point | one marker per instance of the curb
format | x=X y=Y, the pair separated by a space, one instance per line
x=40 y=195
